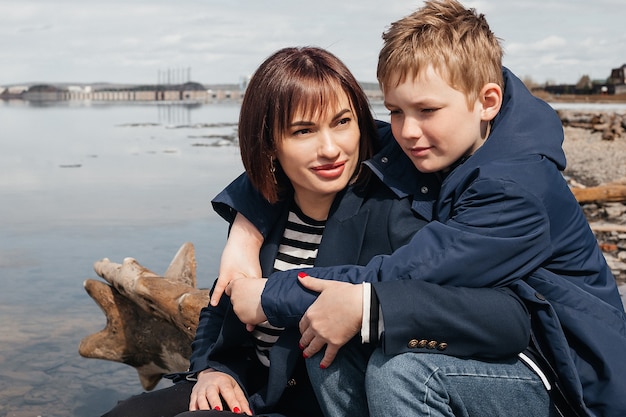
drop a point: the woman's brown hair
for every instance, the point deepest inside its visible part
(290, 80)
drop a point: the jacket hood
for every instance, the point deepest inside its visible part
(525, 125)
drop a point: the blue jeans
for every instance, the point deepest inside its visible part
(423, 384)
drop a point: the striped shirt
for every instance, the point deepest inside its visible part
(298, 249)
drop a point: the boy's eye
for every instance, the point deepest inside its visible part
(429, 110)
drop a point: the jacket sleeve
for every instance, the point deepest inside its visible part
(498, 233)
(240, 196)
(208, 330)
(482, 323)
(219, 344)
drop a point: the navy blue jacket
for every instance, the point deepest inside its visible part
(361, 225)
(504, 217)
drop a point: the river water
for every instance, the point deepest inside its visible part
(84, 181)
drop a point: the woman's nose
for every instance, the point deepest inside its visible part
(328, 145)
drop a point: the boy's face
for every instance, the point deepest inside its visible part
(431, 121)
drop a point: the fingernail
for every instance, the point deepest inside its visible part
(322, 366)
(300, 346)
(217, 408)
(305, 356)
(236, 410)
(302, 275)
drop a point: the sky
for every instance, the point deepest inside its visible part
(223, 41)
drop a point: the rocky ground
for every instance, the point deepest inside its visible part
(592, 161)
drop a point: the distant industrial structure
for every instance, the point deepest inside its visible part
(175, 86)
(186, 92)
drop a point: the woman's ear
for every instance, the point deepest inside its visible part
(491, 101)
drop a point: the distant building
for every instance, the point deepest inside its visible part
(615, 84)
(618, 76)
(44, 92)
(187, 92)
(618, 80)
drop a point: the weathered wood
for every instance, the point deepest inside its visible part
(151, 320)
(611, 125)
(612, 192)
(608, 227)
(600, 194)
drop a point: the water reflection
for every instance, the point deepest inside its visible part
(138, 188)
(176, 114)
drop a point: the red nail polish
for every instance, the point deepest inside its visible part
(217, 408)
(305, 356)
(322, 366)
(302, 275)
(236, 410)
(300, 346)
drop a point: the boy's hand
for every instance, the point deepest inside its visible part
(333, 319)
(240, 258)
(212, 385)
(245, 296)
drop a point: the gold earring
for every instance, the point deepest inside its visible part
(273, 170)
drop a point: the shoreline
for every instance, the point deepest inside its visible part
(579, 98)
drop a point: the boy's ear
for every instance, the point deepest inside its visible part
(491, 101)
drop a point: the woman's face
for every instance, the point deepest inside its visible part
(319, 154)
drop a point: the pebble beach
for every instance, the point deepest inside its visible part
(593, 161)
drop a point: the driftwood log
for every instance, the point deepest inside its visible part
(605, 193)
(152, 319)
(611, 125)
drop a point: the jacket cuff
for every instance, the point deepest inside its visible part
(370, 324)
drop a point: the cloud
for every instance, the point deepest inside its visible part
(550, 43)
(122, 41)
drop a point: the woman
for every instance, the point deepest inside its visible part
(304, 129)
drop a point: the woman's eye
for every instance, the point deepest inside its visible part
(301, 132)
(344, 121)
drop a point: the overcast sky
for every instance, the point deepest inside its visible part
(220, 41)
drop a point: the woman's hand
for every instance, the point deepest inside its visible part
(211, 386)
(240, 258)
(333, 319)
(245, 296)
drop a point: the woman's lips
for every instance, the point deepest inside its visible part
(330, 170)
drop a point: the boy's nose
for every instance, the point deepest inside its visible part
(411, 128)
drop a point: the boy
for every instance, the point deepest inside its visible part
(502, 215)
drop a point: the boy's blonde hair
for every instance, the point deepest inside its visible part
(456, 41)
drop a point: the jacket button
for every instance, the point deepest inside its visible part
(432, 344)
(384, 159)
(540, 296)
(292, 382)
(424, 190)
(422, 343)
(413, 343)
(442, 346)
